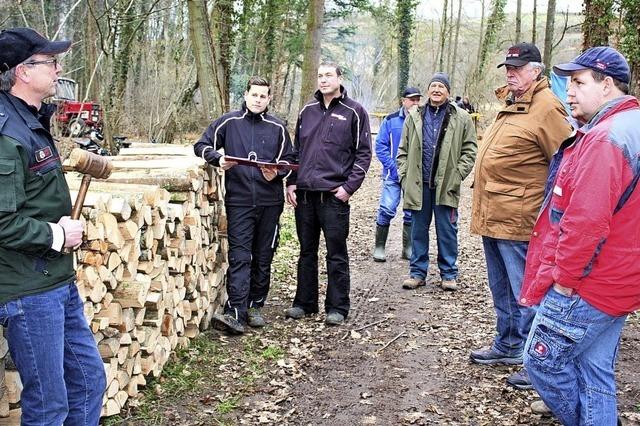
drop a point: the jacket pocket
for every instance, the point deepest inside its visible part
(8, 183)
(504, 203)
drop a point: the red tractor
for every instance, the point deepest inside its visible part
(75, 118)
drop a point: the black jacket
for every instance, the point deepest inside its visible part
(332, 145)
(240, 133)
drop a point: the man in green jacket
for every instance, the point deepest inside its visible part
(437, 152)
(49, 339)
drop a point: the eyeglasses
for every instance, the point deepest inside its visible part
(53, 61)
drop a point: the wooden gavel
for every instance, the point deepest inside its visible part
(90, 165)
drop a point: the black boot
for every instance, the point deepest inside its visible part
(406, 241)
(381, 241)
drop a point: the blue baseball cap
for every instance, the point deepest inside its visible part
(603, 59)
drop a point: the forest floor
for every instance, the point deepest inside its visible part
(402, 357)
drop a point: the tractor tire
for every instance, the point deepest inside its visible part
(76, 127)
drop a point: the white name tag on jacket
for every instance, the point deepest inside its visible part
(338, 116)
(557, 190)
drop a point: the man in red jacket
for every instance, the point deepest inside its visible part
(583, 263)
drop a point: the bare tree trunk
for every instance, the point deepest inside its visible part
(450, 38)
(481, 37)
(518, 21)
(312, 45)
(548, 33)
(535, 21)
(91, 58)
(630, 42)
(452, 76)
(222, 34)
(211, 85)
(443, 32)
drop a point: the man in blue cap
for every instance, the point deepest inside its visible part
(49, 339)
(387, 144)
(583, 262)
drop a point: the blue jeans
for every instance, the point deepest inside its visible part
(446, 234)
(505, 270)
(570, 357)
(56, 356)
(389, 201)
(316, 212)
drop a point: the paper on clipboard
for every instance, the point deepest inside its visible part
(256, 163)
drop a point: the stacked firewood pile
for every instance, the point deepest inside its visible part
(151, 270)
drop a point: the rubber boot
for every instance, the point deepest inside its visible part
(381, 241)
(406, 241)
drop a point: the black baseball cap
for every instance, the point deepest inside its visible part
(410, 92)
(521, 54)
(18, 44)
(603, 59)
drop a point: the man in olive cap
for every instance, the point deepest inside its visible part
(49, 338)
(583, 264)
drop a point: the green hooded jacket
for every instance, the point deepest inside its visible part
(455, 156)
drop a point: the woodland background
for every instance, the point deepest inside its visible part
(165, 68)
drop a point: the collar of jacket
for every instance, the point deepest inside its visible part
(417, 113)
(29, 113)
(614, 106)
(252, 115)
(522, 104)
(320, 98)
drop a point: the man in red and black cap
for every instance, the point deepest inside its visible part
(49, 338)
(583, 264)
(511, 169)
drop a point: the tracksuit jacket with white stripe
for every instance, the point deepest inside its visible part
(332, 145)
(257, 136)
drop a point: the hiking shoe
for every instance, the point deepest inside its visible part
(227, 323)
(412, 283)
(334, 318)
(520, 380)
(540, 408)
(449, 285)
(255, 318)
(295, 312)
(489, 356)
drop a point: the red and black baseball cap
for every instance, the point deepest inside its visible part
(19, 44)
(521, 54)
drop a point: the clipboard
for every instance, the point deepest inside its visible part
(255, 163)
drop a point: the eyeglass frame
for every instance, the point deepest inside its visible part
(53, 61)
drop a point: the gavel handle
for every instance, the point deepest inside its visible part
(82, 193)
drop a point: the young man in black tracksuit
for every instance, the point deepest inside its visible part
(254, 199)
(333, 149)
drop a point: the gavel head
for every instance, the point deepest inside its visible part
(89, 163)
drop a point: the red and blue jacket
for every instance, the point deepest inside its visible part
(587, 235)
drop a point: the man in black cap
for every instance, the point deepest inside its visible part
(508, 189)
(49, 339)
(436, 153)
(387, 144)
(583, 264)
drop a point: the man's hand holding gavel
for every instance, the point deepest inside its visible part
(73, 230)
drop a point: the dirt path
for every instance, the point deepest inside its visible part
(411, 367)
(423, 377)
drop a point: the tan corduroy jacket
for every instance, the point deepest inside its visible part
(513, 162)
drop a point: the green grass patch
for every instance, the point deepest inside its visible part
(194, 373)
